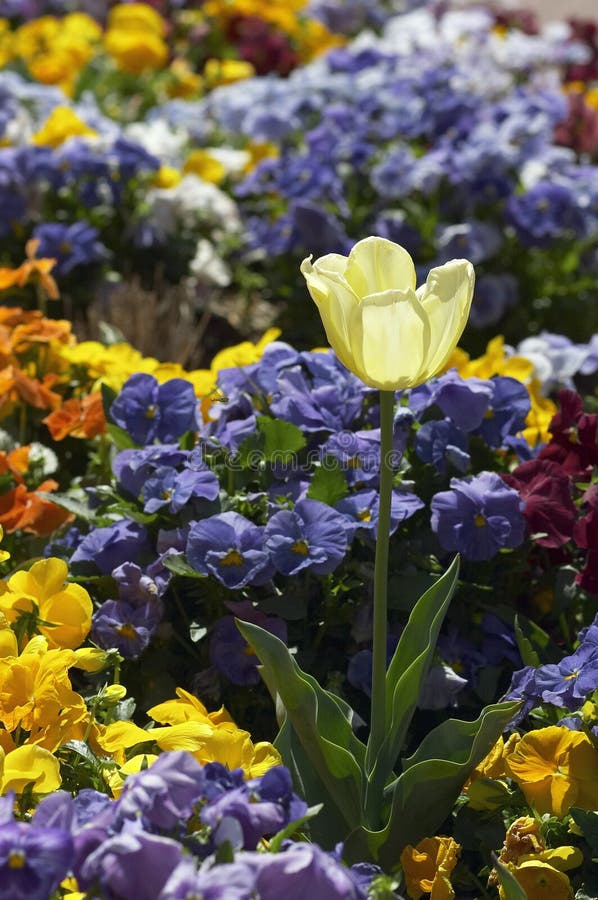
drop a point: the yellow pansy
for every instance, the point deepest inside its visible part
(81, 26)
(243, 354)
(35, 690)
(8, 639)
(186, 708)
(136, 52)
(235, 749)
(226, 71)
(187, 725)
(427, 868)
(26, 765)
(136, 17)
(537, 423)
(61, 124)
(166, 177)
(205, 166)
(6, 43)
(541, 881)
(556, 769)
(64, 610)
(495, 361)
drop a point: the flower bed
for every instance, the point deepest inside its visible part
(277, 620)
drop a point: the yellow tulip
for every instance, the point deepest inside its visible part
(384, 330)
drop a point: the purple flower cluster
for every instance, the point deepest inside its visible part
(144, 844)
(566, 684)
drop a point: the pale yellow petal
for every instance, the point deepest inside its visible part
(389, 336)
(375, 265)
(446, 301)
(335, 301)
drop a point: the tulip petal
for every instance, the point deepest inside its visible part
(375, 265)
(389, 336)
(446, 301)
(334, 300)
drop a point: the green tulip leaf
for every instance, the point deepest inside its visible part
(329, 824)
(425, 793)
(405, 676)
(320, 721)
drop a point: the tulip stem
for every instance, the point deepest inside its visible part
(378, 708)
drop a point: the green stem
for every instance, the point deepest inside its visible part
(378, 706)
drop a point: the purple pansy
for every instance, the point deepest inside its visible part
(312, 535)
(163, 795)
(358, 454)
(112, 545)
(229, 547)
(134, 467)
(147, 410)
(441, 443)
(173, 490)
(478, 517)
(464, 401)
(132, 863)
(234, 881)
(33, 860)
(362, 509)
(70, 245)
(304, 870)
(126, 627)
(507, 411)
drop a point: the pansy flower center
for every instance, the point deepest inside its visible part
(16, 859)
(232, 558)
(479, 521)
(127, 631)
(300, 547)
(364, 515)
(150, 412)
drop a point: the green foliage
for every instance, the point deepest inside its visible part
(366, 803)
(281, 439)
(328, 484)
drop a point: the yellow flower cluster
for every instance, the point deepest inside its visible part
(556, 769)
(539, 871)
(53, 50)
(135, 38)
(43, 621)
(112, 365)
